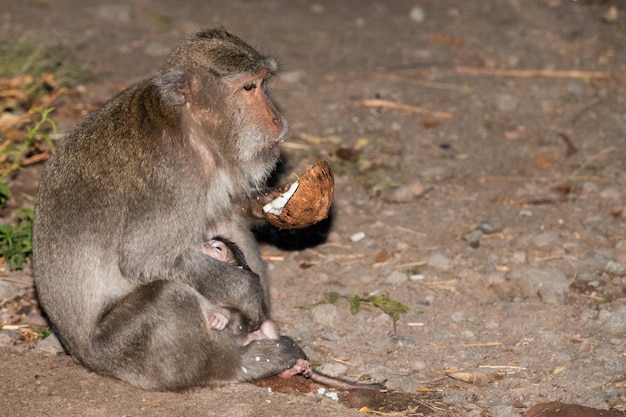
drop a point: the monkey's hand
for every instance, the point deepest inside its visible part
(254, 206)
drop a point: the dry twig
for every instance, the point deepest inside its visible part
(541, 73)
(405, 108)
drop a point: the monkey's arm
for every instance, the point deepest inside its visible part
(225, 285)
(219, 282)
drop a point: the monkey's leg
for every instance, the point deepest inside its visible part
(157, 338)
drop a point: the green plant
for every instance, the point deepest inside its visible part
(389, 306)
(35, 135)
(16, 241)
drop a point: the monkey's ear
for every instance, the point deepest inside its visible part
(174, 87)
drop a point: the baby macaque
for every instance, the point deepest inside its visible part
(227, 251)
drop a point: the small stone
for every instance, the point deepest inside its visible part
(551, 285)
(50, 344)
(485, 226)
(419, 365)
(358, 236)
(480, 379)
(611, 15)
(615, 268)
(544, 239)
(332, 369)
(8, 291)
(9, 337)
(611, 193)
(506, 103)
(604, 316)
(331, 336)
(325, 314)
(440, 261)
(405, 193)
(503, 410)
(417, 14)
(518, 257)
(473, 238)
(397, 278)
(615, 321)
(458, 317)
(403, 340)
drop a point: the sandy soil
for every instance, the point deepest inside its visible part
(494, 206)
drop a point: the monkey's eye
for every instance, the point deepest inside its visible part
(249, 86)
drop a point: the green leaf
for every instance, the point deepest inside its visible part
(355, 302)
(389, 306)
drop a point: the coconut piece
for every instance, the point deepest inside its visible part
(306, 202)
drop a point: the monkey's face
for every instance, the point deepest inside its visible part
(261, 128)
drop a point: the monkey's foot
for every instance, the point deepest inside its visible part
(301, 367)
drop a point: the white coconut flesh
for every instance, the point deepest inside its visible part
(276, 206)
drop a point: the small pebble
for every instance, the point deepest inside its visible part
(473, 238)
(325, 314)
(518, 257)
(485, 226)
(332, 369)
(397, 278)
(403, 340)
(615, 268)
(405, 193)
(550, 284)
(332, 395)
(8, 337)
(439, 261)
(358, 236)
(331, 336)
(615, 321)
(417, 14)
(50, 344)
(611, 193)
(8, 291)
(506, 103)
(544, 239)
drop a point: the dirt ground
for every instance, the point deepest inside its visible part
(485, 190)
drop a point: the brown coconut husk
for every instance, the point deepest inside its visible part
(311, 201)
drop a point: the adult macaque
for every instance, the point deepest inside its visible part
(125, 204)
